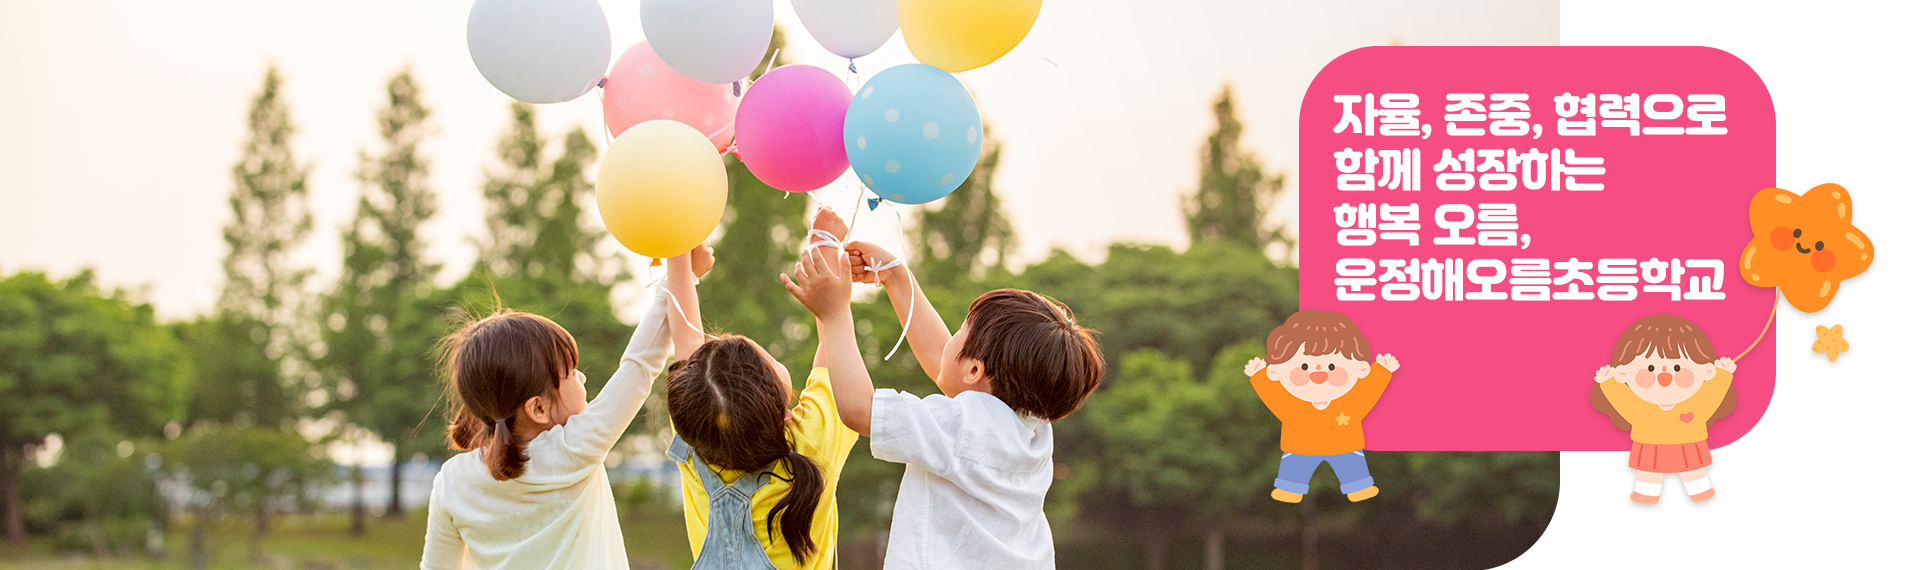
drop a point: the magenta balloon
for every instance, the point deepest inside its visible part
(642, 88)
(790, 127)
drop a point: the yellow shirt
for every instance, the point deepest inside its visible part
(815, 432)
(1685, 423)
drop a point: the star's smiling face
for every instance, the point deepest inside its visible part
(1805, 244)
(1318, 379)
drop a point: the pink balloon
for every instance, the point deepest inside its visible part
(642, 88)
(791, 125)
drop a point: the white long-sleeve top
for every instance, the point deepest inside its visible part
(560, 513)
(977, 478)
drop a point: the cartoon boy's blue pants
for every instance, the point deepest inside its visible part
(1297, 469)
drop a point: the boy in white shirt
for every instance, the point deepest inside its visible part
(979, 455)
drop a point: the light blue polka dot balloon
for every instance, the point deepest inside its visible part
(913, 134)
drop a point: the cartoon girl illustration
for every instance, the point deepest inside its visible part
(1667, 384)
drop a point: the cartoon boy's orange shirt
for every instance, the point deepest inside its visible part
(1331, 431)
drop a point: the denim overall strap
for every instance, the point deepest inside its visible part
(730, 543)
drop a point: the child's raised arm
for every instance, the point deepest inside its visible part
(597, 428)
(685, 322)
(823, 281)
(927, 333)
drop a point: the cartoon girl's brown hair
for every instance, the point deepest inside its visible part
(1666, 336)
(726, 402)
(1321, 332)
(493, 366)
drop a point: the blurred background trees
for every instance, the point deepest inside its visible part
(119, 431)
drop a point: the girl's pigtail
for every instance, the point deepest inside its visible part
(505, 457)
(465, 431)
(795, 510)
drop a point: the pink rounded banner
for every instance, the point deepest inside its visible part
(1496, 217)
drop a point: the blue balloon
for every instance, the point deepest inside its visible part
(913, 134)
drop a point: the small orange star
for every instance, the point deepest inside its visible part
(1342, 418)
(1828, 340)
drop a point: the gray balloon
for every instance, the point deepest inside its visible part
(712, 41)
(540, 51)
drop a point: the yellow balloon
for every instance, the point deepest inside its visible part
(661, 188)
(958, 35)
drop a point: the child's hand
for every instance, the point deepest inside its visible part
(861, 255)
(1602, 376)
(1387, 360)
(1724, 363)
(828, 221)
(702, 259)
(1254, 366)
(822, 281)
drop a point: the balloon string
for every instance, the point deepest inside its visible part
(859, 194)
(913, 288)
(606, 133)
(772, 60)
(1763, 328)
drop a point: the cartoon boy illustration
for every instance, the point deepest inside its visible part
(1666, 385)
(1320, 378)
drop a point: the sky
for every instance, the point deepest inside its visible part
(120, 121)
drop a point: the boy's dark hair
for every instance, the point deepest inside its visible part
(1667, 336)
(725, 400)
(1321, 332)
(493, 366)
(1041, 362)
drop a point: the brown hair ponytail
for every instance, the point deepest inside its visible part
(795, 510)
(506, 457)
(493, 366)
(727, 402)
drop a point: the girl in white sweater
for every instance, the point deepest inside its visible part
(531, 490)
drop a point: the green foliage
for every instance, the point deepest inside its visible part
(97, 497)
(1187, 304)
(74, 358)
(264, 297)
(379, 325)
(228, 466)
(1486, 489)
(80, 361)
(547, 255)
(968, 231)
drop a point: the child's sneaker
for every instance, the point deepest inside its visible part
(1644, 503)
(1287, 497)
(1363, 494)
(1704, 499)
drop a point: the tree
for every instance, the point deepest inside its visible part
(1504, 490)
(1165, 447)
(379, 328)
(969, 231)
(234, 467)
(78, 360)
(546, 253)
(264, 295)
(252, 357)
(1235, 194)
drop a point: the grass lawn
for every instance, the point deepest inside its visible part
(322, 542)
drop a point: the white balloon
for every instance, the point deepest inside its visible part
(849, 28)
(713, 41)
(540, 51)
